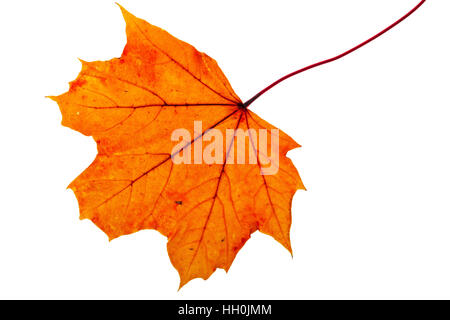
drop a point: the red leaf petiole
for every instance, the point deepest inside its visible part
(256, 96)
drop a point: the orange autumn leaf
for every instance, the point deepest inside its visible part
(131, 106)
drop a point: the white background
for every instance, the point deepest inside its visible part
(375, 129)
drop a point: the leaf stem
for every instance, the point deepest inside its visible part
(256, 96)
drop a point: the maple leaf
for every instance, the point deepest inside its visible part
(132, 105)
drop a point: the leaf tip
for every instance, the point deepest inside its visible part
(289, 248)
(121, 8)
(54, 98)
(183, 282)
(301, 186)
(125, 12)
